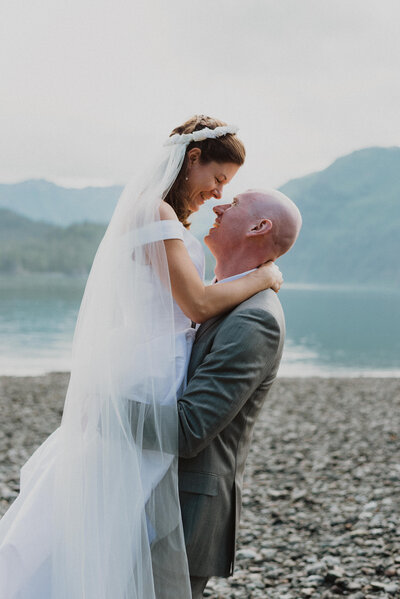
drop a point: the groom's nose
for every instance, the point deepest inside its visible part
(219, 210)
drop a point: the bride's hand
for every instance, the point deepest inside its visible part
(272, 276)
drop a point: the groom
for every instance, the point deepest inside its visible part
(234, 362)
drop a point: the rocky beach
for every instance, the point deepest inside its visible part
(320, 514)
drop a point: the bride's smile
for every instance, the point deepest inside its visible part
(206, 180)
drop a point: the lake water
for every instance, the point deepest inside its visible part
(331, 331)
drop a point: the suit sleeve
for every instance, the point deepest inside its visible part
(242, 356)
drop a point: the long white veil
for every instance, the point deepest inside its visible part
(116, 515)
(99, 498)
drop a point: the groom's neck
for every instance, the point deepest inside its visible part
(229, 268)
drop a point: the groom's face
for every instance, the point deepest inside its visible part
(231, 224)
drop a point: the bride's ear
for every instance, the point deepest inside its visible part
(262, 227)
(193, 156)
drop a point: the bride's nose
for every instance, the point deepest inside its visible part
(217, 193)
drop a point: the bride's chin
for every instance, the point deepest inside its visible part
(195, 207)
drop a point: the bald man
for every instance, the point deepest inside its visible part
(234, 362)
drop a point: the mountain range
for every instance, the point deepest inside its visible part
(350, 234)
(41, 200)
(351, 221)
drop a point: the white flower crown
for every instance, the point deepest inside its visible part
(206, 133)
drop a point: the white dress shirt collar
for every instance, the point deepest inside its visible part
(233, 277)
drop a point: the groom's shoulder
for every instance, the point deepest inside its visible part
(266, 301)
(262, 311)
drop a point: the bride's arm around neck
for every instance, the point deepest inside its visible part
(200, 302)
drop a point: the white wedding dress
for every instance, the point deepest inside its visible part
(27, 529)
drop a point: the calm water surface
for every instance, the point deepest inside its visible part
(348, 331)
(330, 331)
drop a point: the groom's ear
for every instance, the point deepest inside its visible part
(262, 227)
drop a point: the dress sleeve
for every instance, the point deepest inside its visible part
(157, 231)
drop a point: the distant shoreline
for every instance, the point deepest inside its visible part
(62, 277)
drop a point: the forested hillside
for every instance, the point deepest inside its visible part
(40, 247)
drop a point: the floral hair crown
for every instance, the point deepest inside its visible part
(206, 133)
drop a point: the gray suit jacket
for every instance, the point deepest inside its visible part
(234, 361)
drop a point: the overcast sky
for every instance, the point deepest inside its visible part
(89, 89)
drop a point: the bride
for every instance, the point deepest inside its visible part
(98, 512)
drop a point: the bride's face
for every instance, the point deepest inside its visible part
(206, 180)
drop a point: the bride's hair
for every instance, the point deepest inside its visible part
(227, 148)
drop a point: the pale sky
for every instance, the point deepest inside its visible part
(90, 89)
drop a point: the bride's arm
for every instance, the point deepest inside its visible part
(200, 302)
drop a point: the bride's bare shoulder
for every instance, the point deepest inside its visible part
(167, 212)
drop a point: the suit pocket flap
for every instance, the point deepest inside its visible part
(198, 482)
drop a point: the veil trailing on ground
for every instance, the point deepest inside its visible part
(116, 509)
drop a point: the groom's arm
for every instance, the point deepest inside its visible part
(242, 356)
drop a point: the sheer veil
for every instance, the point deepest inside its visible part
(100, 495)
(117, 526)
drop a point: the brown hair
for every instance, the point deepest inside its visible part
(227, 148)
